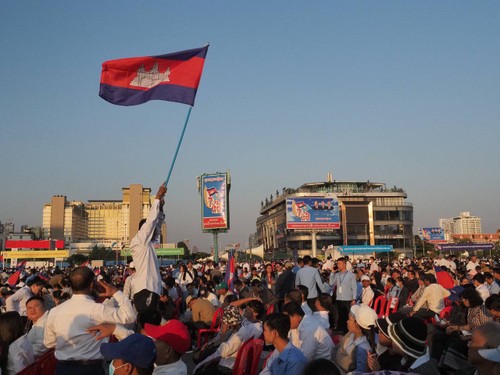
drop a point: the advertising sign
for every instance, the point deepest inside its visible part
(366, 249)
(214, 201)
(36, 254)
(434, 234)
(312, 213)
(159, 252)
(469, 247)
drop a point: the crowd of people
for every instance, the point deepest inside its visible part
(315, 317)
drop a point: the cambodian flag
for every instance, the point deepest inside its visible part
(173, 77)
(230, 271)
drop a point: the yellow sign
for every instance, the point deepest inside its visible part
(36, 254)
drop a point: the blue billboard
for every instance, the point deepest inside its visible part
(434, 234)
(214, 201)
(312, 213)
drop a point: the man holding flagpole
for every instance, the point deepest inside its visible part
(148, 279)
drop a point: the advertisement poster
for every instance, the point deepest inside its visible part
(214, 196)
(434, 234)
(312, 213)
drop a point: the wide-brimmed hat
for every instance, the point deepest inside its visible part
(384, 323)
(409, 335)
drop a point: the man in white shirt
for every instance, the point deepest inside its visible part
(367, 293)
(128, 287)
(471, 266)
(37, 314)
(433, 295)
(308, 334)
(148, 279)
(17, 301)
(67, 324)
(491, 284)
(479, 282)
(373, 265)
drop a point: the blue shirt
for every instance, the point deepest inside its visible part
(345, 282)
(290, 361)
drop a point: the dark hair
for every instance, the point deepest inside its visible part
(391, 280)
(255, 282)
(488, 275)
(295, 295)
(36, 298)
(473, 296)
(479, 277)
(321, 366)
(60, 295)
(36, 281)
(258, 308)
(293, 309)
(141, 223)
(230, 298)
(307, 259)
(237, 282)
(325, 300)
(493, 302)
(304, 290)
(81, 278)
(11, 328)
(148, 316)
(280, 323)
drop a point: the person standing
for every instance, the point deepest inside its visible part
(344, 282)
(310, 277)
(17, 301)
(148, 279)
(66, 328)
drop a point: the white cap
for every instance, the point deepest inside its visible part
(131, 265)
(364, 277)
(365, 316)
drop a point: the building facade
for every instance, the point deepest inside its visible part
(370, 214)
(107, 222)
(465, 223)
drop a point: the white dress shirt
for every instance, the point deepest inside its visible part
(434, 296)
(229, 349)
(483, 291)
(367, 296)
(312, 339)
(20, 355)
(67, 324)
(129, 288)
(17, 301)
(143, 252)
(35, 336)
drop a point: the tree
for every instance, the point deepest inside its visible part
(183, 246)
(101, 253)
(76, 259)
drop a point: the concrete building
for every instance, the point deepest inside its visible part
(465, 223)
(103, 222)
(370, 214)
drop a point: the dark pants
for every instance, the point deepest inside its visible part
(146, 300)
(343, 308)
(194, 327)
(63, 368)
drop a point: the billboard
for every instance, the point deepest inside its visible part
(214, 201)
(364, 249)
(312, 213)
(36, 254)
(434, 234)
(469, 247)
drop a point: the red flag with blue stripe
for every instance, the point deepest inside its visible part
(172, 77)
(230, 271)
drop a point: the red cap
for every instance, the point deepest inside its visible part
(173, 333)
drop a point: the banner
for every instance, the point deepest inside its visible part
(36, 254)
(214, 201)
(312, 213)
(434, 234)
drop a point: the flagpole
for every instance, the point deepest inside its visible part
(178, 145)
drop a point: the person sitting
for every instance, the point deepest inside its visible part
(492, 286)
(433, 297)
(483, 351)
(134, 355)
(267, 297)
(16, 351)
(367, 293)
(384, 357)
(308, 334)
(222, 291)
(408, 338)
(493, 306)
(286, 358)
(479, 282)
(172, 340)
(37, 315)
(242, 290)
(351, 353)
(305, 293)
(324, 307)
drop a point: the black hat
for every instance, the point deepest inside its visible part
(384, 323)
(410, 335)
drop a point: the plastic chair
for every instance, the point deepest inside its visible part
(45, 365)
(444, 314)
(270, 310)
(336, 338)
(178, 308)
(379, 305)
(394, 302)
(205, 333)
(248, 357)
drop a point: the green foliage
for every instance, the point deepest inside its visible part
(76, 259)
(101, 253)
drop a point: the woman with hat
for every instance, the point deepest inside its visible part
(352, 351)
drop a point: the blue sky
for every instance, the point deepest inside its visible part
(405, 93)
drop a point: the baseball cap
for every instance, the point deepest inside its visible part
(365, 316)
(222, 285)
(490, 354)
(188, 299)
(365, 278)
(136, 349)
(174, 333)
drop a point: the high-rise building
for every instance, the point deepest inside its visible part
(465, 223)
(64, 220)
(99, 221)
